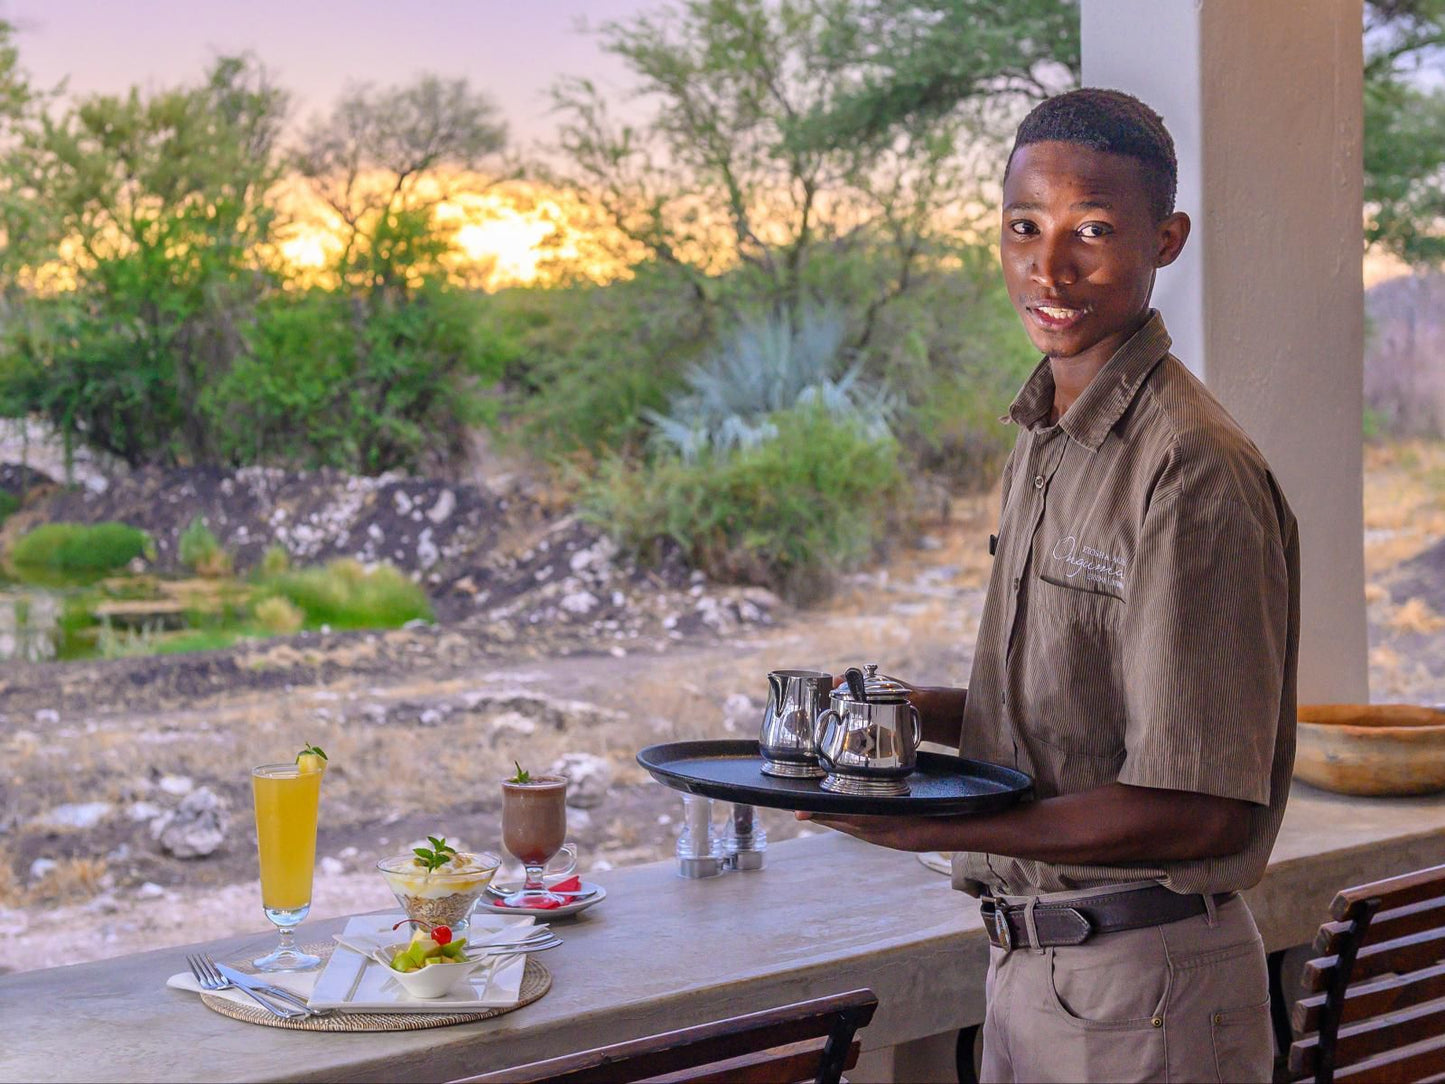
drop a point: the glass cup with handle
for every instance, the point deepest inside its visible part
(534, 832)
(286, 803)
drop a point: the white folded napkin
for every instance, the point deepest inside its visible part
(353, 983)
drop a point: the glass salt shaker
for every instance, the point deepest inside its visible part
(699, 848)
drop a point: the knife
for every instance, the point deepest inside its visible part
(255, 986)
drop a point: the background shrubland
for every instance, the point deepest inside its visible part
(794, 181)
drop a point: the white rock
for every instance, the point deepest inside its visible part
(431, 717)
(149, 891)
(347, 852)
(197, 828)
(403, 503)
(427, 553)
(177, 785)
(75, 815)
(578, 820)
(579, 602)
(143, 811)
(738, 705)
(617, 652)
(512, 722)
(441, 511)
(588, 778)
(42, 868)
(47, 716)
(332, 867)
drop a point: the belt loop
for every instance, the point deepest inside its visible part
(1031, 925)
(1209, 914)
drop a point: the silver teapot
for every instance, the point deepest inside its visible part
(795, 698)
(868, 737)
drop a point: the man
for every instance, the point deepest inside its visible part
(1136, 654)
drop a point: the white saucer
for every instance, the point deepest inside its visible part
(593, 894)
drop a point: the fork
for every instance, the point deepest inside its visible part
(209, 978)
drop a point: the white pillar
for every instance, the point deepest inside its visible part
(1264, 100)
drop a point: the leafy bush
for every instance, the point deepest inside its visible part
(344, 595)
(74, 547)
(277, 615)
(787, 513)
(9, 503)
(275, 561)
(584, 362)
(201, 551)
(769, 365)
(367, 387)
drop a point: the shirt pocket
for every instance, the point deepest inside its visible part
(1070, 676)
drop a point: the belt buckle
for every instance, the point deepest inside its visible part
(1001, 932)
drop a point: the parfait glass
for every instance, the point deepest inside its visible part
(286, 802)
(534, 828)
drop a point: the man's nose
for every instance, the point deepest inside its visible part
(1053, 263)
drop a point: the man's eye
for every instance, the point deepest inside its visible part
(1094, 229)
(1022, 227)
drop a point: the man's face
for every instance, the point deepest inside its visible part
(1080, 247)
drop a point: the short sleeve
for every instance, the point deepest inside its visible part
(1204, 650)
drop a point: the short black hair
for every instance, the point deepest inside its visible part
(1114, 122)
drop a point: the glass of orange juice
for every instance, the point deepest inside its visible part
(286, 801)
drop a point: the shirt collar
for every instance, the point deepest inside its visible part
(1108, 395)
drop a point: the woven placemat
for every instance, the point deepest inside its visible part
(536, 981)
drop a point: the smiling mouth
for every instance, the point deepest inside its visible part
(1057, 317)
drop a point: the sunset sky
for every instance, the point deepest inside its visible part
(511, 49)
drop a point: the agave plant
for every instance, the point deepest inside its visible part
(770, 365)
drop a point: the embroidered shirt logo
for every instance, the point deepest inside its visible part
(1096, 566)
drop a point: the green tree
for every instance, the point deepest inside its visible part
(929, 57)
(1404, 144)
(723, 175)
(383, 160)
(159, 205)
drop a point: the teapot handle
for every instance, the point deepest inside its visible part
(818, 727)
(917, 726)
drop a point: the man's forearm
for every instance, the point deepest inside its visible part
(940, 710)
(1109, 824)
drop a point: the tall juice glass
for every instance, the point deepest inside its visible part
(286, 803)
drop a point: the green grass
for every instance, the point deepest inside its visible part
(77, 548)
(343, 595)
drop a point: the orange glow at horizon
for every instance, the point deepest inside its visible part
(513, 234)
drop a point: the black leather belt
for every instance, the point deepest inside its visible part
(1075, 922)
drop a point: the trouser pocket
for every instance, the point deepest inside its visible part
(1243, 1042)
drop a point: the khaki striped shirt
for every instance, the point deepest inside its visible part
(1142, 618)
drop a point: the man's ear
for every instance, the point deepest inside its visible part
(1172, 233)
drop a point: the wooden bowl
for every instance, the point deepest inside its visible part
(1371, 749)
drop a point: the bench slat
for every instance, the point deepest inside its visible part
(1387, 994)
(1402, 954)
(1391, 892)
(1378, 1036)
(1397, 922)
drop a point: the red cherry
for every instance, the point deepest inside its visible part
(441, 934)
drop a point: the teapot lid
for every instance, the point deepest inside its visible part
(877, 687)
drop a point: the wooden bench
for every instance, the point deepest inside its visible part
(1374, 1004)
(809, 1040)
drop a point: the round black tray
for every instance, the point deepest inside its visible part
(732, 770)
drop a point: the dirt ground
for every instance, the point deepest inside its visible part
(422, 723)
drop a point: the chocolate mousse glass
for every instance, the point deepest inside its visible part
(534, 828)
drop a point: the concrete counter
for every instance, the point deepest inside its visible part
(828, 914)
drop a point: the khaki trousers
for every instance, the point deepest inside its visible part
(1188, 1001)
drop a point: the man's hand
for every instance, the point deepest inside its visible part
(1110, 824)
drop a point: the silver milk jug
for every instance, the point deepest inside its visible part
(868, 737)
(795, 698)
